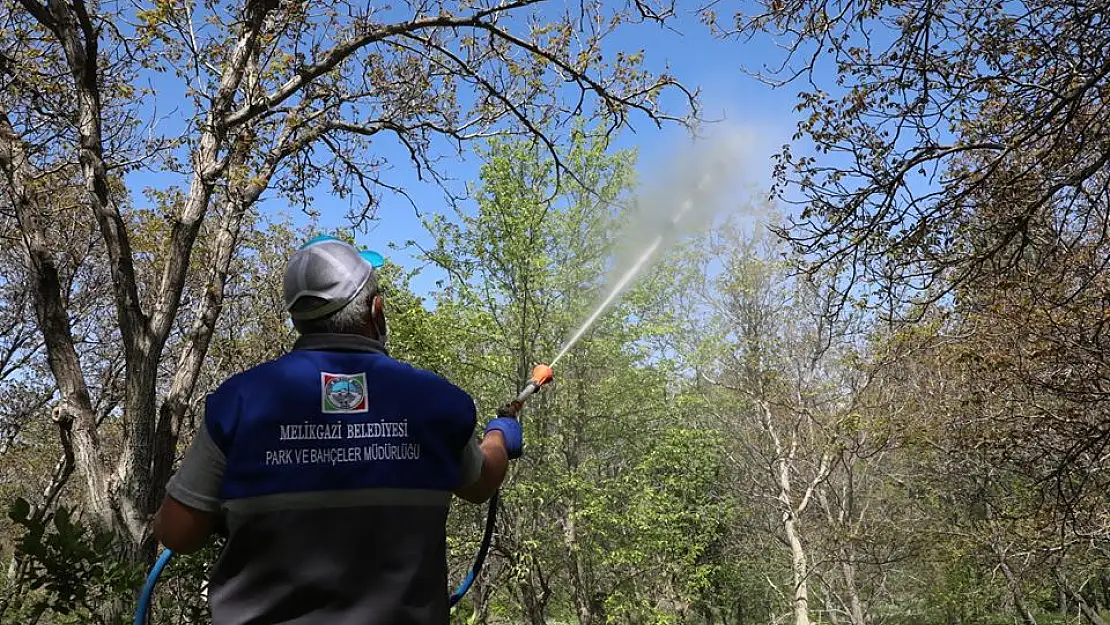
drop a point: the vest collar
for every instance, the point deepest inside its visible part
(340, 343)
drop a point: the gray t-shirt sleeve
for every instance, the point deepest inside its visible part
(472, 460)
(197, 481)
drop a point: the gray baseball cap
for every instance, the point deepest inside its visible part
(329, 270)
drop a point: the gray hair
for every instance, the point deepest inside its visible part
(351, 319)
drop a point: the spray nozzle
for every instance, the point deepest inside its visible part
(542, 374)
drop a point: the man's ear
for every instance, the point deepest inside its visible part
(377, 315)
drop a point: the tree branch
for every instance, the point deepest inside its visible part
(239, 199)
(63, 469)
(41, 15)
(333, 57)
(207, 166)
(78, 39)
(53, 320)
(1093, 616)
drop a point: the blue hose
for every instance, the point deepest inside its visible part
(148, 588)
(491, 521)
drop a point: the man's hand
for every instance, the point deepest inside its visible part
(181, 528)
(513, 435)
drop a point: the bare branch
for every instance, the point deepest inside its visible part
(207, 165)
(333, 57)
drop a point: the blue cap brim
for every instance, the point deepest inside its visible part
(375, 259)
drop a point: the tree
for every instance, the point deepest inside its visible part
(785, 456)
(279, 96)
(811, 439)
(964, 186)
(910, 124)
(512, 269)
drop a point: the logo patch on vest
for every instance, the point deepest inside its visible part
(343, 393)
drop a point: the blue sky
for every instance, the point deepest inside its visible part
(691, 54)
(695, 58)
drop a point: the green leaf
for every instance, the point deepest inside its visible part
(19, 510)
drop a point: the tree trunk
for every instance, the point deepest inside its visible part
(1019, 597)
(535, 604)
(855, 605)
(582, 600)
(800, 568)
(799, 564)
(1085, 608)
(785, 452)
(74, 407)
(846, 551)
(124, 499)
(585, 604)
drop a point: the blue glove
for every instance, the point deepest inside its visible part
(514, 435)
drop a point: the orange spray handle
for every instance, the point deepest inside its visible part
(541, 375)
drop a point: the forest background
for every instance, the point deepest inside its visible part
(872, 388)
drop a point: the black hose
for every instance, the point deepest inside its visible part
(487, 538)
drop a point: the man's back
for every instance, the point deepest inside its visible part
(340, 464)
(333, 467)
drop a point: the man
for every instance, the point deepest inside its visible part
(331, 468)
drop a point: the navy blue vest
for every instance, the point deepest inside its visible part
(340, 466)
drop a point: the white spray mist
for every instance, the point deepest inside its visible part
(697, 183)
